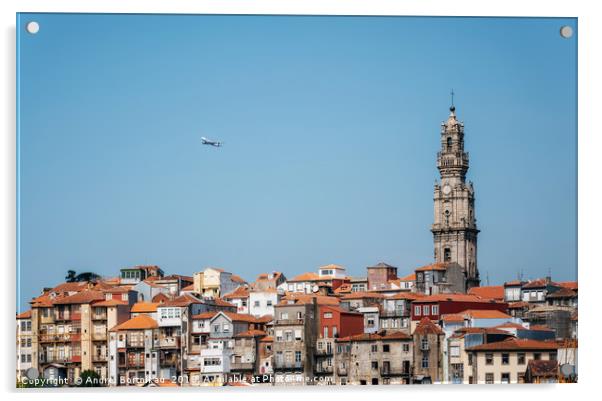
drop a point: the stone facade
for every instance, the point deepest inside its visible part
(454, 228)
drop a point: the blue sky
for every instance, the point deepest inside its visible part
(331, 128)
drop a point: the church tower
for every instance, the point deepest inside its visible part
(455, 228)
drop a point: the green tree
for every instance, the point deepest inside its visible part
(89, 378)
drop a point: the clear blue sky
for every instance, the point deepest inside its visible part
(331, 128)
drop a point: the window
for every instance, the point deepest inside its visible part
(278, 335)
(288, 335)
(469, 359)
(374, 348)
(489, 358)
(505, 378)
(298, 335)
(425, 362)
(447, 255)
(386, 347)
(255, 304)
(537, 356)
(299, 315)
(298, 356)
(505, 359)
(489, 378)
(552, 356)
(449, 143)
(328, 315)
(406, 347)
(521, 358)
(435, 310)
(284, 316)
(417, 310)
(424, 343)
(269, 303)
(370, 322)
(374, 365)
(454, 350)
(244, 303)
(426, 310)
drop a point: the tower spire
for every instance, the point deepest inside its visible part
(452, 107)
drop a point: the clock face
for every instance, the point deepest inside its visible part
(446, 189)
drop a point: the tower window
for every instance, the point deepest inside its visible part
(447, 255)
(449, 143)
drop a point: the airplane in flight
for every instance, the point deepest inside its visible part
(212, 143)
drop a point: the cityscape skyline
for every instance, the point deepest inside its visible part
(314, 170)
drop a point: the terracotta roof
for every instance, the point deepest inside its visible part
(485, 314)
(204, 315)
(407, 295)
(512, 344)
(267, 339)
(221, 302)
(240, 292)
(513, 283)
(83, 297)
(140, 322)
(453, 317)
(181, 301)
(453, 297)
(426, 326)
(517, 305)
(563, 293)
(491, 292)
(363, 294)
(343, 289)
(252, 333)
(376, 336)
(239, 317)
(572, 285)
(43, 301)
(543, 368)
(479, 330)
(24, 315)
(160, 297)
(540, 282)
(510, 325)
(306, 277)
(188, 288)
(409, 277)
(264, 319)
(332, 266)
(70, 287)
(435, 266)
(144, 307)
(110, 302)
(237, 279)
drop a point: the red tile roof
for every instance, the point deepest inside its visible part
(515, 344)
(563, 293)
(237, 279)
(426, 326)
(362, 295)
(435, 266)
(140, 322)
(160, 297)
(83, 297)
(308, 298)
(188, 288)
(24, 315)
(518, 305)
(409, 277)
(252, 333)
(407, 295)
(572, 285)
(543, 368)
(110, 302)
(240, 292)
(182, 301)
(144, 307)
(491, 292)
(306, 277)
(454, 297)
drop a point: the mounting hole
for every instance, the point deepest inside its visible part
(32, 27)
(566, 31)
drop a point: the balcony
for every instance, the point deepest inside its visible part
(169, 342)
(394, 313)
(61, 359)
(99, 336)
(393, 371)
(56, 338)
(99, 358)
(282, 365)
(169, 360)
(242, 366)
(319, 369)
(288, 322)
(99, 316)
(325, 351)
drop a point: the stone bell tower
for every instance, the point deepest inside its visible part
(455, 228)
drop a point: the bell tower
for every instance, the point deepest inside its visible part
(455, 225)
